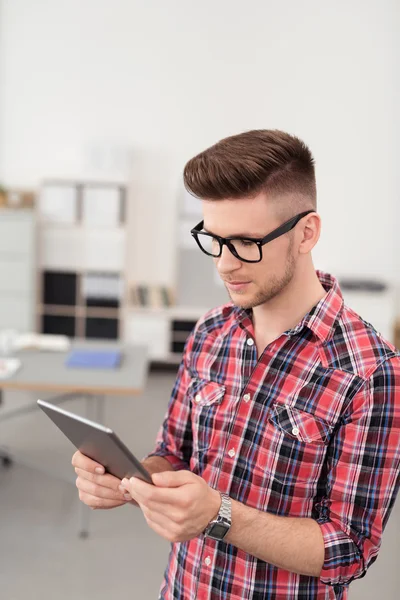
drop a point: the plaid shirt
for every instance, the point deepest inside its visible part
(310, 429)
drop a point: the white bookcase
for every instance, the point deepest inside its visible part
(82, 259)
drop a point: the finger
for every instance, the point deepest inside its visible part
(87, 464)
(162, 515)
(97, 490)
(145, 493)
(168, 533)
(155, 517)
(95, 502)
(106, 480)
(172, 479)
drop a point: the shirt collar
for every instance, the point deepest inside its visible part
(321, 319)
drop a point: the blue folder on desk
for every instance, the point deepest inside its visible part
(94, 359)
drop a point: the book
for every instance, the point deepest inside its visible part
(94, 359)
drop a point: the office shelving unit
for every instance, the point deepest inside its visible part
(82, 259)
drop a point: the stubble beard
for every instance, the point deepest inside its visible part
(274, 287)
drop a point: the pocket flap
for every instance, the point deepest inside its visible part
(205, 393)
(300, 424)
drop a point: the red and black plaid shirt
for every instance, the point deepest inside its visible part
(310, 429)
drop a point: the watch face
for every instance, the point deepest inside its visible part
(218, 531)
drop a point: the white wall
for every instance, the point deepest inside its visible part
(166, 79)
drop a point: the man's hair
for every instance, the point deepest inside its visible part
(244, 165)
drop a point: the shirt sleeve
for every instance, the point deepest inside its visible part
(363, 477)
(174, 439)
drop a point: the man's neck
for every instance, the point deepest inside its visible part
(285, 311)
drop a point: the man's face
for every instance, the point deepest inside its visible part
(251, 284)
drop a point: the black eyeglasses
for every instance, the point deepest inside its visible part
(245, 249)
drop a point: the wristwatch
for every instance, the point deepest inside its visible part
(219, 527)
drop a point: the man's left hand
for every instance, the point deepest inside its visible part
(178, 506)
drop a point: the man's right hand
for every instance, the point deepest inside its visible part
(97, 489)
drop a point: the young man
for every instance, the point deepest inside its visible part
(277, 465)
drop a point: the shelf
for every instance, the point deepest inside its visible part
(104, 313)
(178, 312)
(57, 309)
(78, 311)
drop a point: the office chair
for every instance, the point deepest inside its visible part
(5, 458)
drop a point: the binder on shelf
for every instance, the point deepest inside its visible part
(143, 293)
(152, 296)
(167, 296)
(134, 296)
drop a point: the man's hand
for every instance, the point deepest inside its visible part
(97, 489)
(178, 507)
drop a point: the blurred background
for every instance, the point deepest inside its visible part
(101, 104)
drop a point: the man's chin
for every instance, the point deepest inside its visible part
(240, 300)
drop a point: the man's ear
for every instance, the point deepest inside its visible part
(310, 232)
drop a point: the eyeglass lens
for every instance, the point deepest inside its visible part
(245, 249)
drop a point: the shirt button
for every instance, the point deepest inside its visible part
(250, 342)
(246, 397)
(208, 561)
(198, 398)
(232, 452)
(295, 431)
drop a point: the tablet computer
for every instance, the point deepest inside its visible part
(97, 442)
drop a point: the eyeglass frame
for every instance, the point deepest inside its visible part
(273, 235)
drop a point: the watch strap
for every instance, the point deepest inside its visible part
(225, 510)
(223, 518)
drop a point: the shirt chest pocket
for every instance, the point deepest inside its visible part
(205, 398)
(294, 445)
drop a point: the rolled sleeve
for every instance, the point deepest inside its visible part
(363, 478)
(174, 461)
(174, 438)
(343, 559)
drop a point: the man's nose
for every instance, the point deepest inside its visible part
(227, 262)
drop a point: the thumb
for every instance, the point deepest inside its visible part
(173, 478)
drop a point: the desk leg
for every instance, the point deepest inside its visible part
(84, 521)
(93, 404)
(100, 409)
